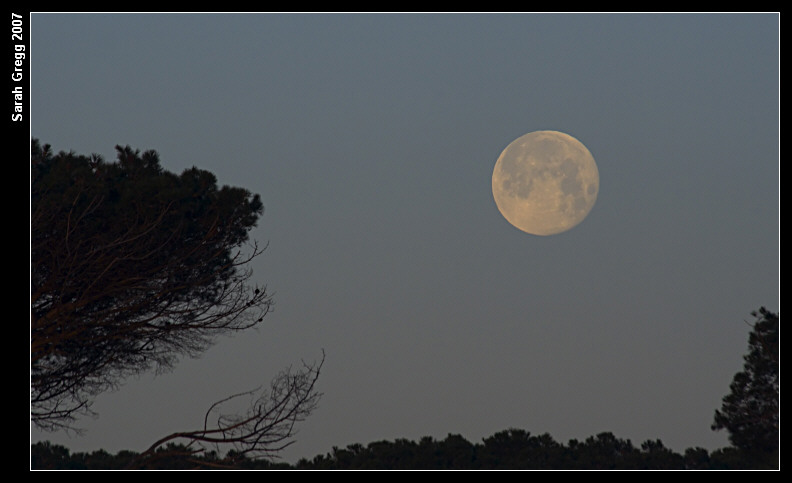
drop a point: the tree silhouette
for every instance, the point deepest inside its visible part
(133, 267)
(750, 412)
(506, 450)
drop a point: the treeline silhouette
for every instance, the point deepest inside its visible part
(511, 449)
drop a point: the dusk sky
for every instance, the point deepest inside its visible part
(372, 139)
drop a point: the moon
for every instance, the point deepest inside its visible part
(545, 182)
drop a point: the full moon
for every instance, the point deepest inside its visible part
(545, 182)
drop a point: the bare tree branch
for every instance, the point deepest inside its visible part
(262, 431)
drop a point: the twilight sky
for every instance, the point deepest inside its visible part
(372, 139)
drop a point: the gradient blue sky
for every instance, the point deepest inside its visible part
(371, 140)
